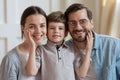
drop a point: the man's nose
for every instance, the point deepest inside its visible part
(78, 26)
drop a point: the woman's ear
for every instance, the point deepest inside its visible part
(22, 28)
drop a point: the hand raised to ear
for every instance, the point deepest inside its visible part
(90, 39)
(29, 39)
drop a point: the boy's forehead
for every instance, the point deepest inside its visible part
(56, 24)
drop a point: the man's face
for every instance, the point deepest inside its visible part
(79, 25)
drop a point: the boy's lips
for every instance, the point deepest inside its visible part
(55, 36)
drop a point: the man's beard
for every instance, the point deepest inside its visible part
(79, 38)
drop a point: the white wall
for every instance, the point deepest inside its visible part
(10, 13)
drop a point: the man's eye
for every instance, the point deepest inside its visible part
(72, 23)
(42, 26)
(83, 21)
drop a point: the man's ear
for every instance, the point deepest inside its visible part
(66, 33)
(92, 24)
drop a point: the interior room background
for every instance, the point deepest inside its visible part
(105, 16)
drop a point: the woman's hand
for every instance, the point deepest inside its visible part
(29, 40)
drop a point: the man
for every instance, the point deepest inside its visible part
(105, 56)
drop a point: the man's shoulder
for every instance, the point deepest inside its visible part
(109, 38)
(102, 39)
(69, 42)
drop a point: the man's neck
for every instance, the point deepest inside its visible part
(80, 45)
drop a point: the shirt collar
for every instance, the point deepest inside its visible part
(96, 41)
(53, 45)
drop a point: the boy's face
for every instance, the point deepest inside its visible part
(56, 32)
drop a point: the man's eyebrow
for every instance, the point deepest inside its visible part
(71, 20)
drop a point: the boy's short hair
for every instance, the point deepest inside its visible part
(57, 16)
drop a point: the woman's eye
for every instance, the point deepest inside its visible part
(31, 27)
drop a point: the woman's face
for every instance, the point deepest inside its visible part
(36, 25)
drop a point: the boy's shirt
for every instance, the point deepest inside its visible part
(55, 63)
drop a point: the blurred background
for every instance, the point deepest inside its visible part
(105, 16)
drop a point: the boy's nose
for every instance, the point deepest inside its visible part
(56, 29)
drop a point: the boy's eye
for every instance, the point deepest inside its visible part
(51, 27)
(61, 28)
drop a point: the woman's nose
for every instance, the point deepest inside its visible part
(38, 29)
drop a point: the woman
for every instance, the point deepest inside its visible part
(33, 23)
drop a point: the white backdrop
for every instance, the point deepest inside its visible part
(10, 13)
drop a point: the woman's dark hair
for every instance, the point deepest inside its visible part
(30, 11)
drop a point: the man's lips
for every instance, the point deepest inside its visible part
(79, 31)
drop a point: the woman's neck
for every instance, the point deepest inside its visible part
(24, 47)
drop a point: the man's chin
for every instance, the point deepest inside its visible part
(80, 40)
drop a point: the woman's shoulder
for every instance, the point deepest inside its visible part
(11, 57)
(10, 63)
(13, 53)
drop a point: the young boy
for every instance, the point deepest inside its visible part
(55, 60)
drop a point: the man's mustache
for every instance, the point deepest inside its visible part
(75, 31)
